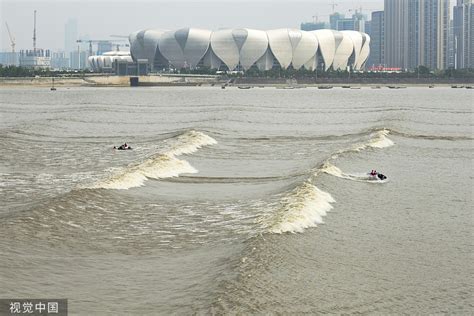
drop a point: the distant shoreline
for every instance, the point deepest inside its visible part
(207, 80)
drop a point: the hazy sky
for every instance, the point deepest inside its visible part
(101, 18)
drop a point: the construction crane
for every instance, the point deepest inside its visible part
(121, 45)
(317, 16)
(12, 39)
(34, 35)
(102, 42)
(333, 5)
(119, 36)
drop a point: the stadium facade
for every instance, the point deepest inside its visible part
(105, 61)
(242, 49)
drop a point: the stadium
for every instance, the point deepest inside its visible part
(242, 49)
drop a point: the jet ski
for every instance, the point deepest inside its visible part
(374, 175)
(123, 147)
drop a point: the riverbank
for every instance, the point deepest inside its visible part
(210, 80)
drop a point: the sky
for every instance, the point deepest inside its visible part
(98, 19)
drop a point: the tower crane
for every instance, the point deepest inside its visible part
(102, 41)
(119, 36)
(333, 5)
(34, 34)
(12, 39)
(121, 45)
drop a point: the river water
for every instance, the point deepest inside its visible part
(238, 201)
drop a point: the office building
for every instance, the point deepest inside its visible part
(37, 59)
(313, 26)
(357, 22)
(70, 36)
(334, 18)
(396, 33)
(9, 58)
(78, 59)
(59, 60)
(416, 33)
(433, 35)
(377, 39)
(468, 34)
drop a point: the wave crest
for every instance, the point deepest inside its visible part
(377, 139)
(162, 166)
(158, 166)
(190, 142)
(302, 208)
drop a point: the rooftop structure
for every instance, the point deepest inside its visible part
(242, 49)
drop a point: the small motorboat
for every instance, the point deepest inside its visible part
(374, 175)
(52, 87)
(123, 147)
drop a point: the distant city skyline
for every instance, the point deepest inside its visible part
(98, 20)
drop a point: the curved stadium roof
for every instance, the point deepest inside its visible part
(241, 49)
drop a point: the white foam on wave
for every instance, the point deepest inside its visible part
(190, 142)
(302, 208)
(378, 139)
(158, 166)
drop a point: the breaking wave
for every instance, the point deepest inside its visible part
(303, 207)
(189, 143)
(377, 139)
(306, 205)
(158, 166)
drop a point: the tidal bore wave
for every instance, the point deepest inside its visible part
(306, 205)
(303, 207)
(158, 166)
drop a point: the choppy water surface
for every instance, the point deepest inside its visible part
(238, 201)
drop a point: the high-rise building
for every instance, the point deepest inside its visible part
(434, 32)
(458, 34)
(368, 27)
(416, 33)
(396, 33)
(413, 33)
(355, 23)
(36, 58)
(70, 36)
(78, 59)
(468, 34)
(9, 58)
(451, 48)
(333, 18)
(313, 26)
(463, 34)
(377, 39)
(59, 60)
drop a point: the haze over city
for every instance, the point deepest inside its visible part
(99, 19)
(225, 157)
